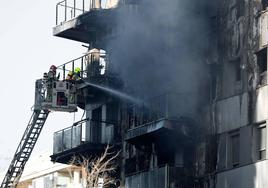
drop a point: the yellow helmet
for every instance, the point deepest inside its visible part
(77, 70)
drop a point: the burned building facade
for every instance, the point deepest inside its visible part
(178, 87)
(240, 107)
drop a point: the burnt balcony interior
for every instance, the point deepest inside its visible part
(160, 133)
(89, 136)
(166, 116)
(156, 154)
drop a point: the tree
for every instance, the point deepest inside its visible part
(98, 172)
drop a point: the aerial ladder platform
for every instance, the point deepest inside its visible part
(25, 148)
(50, 95)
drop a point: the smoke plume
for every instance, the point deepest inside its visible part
(162, 47)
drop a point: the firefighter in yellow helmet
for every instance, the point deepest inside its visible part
(70, 75)
(77, 73)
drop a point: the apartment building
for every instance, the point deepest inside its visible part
(197, 77)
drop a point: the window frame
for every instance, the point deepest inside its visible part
(259, 149)
(234, 149)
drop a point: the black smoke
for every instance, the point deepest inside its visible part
(162, 47)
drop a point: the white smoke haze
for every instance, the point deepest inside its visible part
(161, 47)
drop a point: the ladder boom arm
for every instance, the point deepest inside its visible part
(25, 148)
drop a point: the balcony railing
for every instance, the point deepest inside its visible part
(83, 132)
(87, 64)
(69, 9)
(163, 177)
(168, 106)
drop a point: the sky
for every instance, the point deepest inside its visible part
(27, 49)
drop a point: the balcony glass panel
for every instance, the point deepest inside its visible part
(94, 132)
(57, 142)
(158, 178)
(67, 139)
(76, 135)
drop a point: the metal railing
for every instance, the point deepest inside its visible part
(83, 63)
(69, 9)
(167, 106)
(158, 178)
(84, 131)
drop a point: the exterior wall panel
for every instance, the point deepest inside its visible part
(232, 113)
(249, 176)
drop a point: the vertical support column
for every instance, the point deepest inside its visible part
(104, 138)
(167, 176)
(57, 12)
(72, 66)
(83, 6)
(74, 7)
(63, 72)
(82, 66)
(88, 123)
(65, 10)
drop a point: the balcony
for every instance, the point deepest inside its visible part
(165, 117)
(163, 177)
(94, 68)
(84, 21)
(86, 137)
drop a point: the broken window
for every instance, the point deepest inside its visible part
(264, 4)
(262, 66)
(234, 148)
(261, 141)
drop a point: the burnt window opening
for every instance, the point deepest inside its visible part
(234, 149)
(262, 65)
(264, 4)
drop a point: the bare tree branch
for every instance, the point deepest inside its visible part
(100, 168)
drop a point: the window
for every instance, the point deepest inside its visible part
(264, 4)
(262, 66)
(234, 148)
(261, 141)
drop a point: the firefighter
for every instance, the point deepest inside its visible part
(77, 73)
(70, 75)
(45, 76)
(51, 76)
(52, 73)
